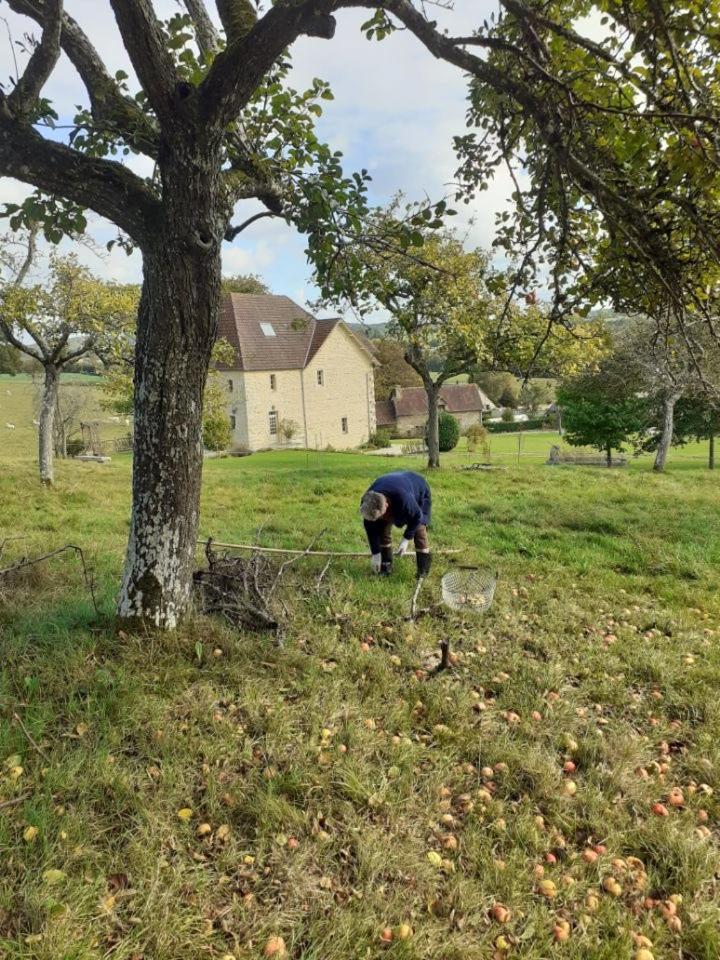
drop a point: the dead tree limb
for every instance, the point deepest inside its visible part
(31, 561)
(311, 553)
(242, 590)
(15, 800)
(31, 741)
(320, 579)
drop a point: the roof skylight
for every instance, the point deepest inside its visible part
(268, 329)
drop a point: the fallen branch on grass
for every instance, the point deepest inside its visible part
(9, 540)
(320, 579)
(7, 573)
(312, 553)
(15, 800)
(28, 735)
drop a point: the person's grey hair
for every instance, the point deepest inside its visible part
(373, 505)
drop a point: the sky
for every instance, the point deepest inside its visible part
(395, 112)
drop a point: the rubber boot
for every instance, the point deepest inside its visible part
(424, 562)
(386, 561)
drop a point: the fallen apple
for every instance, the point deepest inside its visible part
(275, 947)
(548, 889)
(611, 886)
(500, 913)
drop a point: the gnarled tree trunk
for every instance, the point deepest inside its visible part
(666, 431)
(48, 406)
(59, 432)
(177, 326)
(433, 428)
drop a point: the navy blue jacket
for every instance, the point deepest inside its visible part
(410, 504)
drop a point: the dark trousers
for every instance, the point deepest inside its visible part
(422, 544)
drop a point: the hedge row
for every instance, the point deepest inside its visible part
(516, 426)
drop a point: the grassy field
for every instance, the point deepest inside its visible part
(202, 795)
(18, 406)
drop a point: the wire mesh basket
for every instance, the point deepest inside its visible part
(469, 589)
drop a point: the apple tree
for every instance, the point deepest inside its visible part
(215, 115)
(69, 315)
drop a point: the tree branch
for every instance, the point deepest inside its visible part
(104, 186)
(144, 41)
(108, 105)
(208, 39)
(28, 258)
(236, 72)
(7, 331)
(41, 63)
(233, 232)
(26, 348)
(86, 346)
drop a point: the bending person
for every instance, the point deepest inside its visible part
(399, 499)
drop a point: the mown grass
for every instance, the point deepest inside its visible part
(331, 787)
(19, 399)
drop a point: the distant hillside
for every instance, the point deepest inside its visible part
(616, 322)
(373, 331)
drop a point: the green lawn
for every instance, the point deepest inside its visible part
(18, 406)
(329, 787)
(533, 446)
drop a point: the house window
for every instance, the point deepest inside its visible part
(268, 329)
(273, 423)
(232, 421)
(230, 386)
(273, 382)
(344, 425)
(321, 378)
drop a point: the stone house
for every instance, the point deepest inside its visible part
(293, 369)
(406, 410)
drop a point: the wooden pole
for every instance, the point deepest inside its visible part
(308, 553)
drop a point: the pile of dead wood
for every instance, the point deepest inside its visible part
(242, 590)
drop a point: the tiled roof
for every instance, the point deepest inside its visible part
(455, 397)
(246, 319)
(384, 413)
(412, 402)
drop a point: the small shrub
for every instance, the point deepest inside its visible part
(380, 439)
(74, 447)
(477, 439)
(510, 396)
(287, 430)
(216, 431)
(448, 432)
(517, 426)
(507, 416)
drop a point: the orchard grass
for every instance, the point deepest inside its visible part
(327, 791)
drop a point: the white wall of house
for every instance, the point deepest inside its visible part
(337, 412)
(415, 426)
(341, 409)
